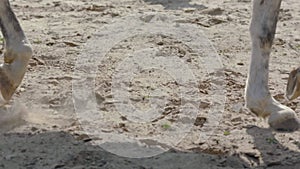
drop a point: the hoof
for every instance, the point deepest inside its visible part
(293, 85)
(6, 86)
(284, 120)
(287, 125)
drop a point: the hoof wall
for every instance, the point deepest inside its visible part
(291, 124)
(293, 85)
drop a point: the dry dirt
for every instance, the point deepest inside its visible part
(41, 129)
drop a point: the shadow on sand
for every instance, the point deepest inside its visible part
(175, 4)
(62, 150)
(273, 154)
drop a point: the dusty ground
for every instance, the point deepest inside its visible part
(44, 130)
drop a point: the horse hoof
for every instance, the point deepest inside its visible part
(293, 85)
(284, 122)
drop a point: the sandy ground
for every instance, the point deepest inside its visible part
(42, 128)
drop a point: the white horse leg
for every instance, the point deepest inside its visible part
(16, 55)
(258, 98)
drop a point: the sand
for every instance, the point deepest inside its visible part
(151, 84)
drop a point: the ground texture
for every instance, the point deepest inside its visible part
(41, 129)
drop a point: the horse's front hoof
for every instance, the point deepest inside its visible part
(293, 85)
(285, 120)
